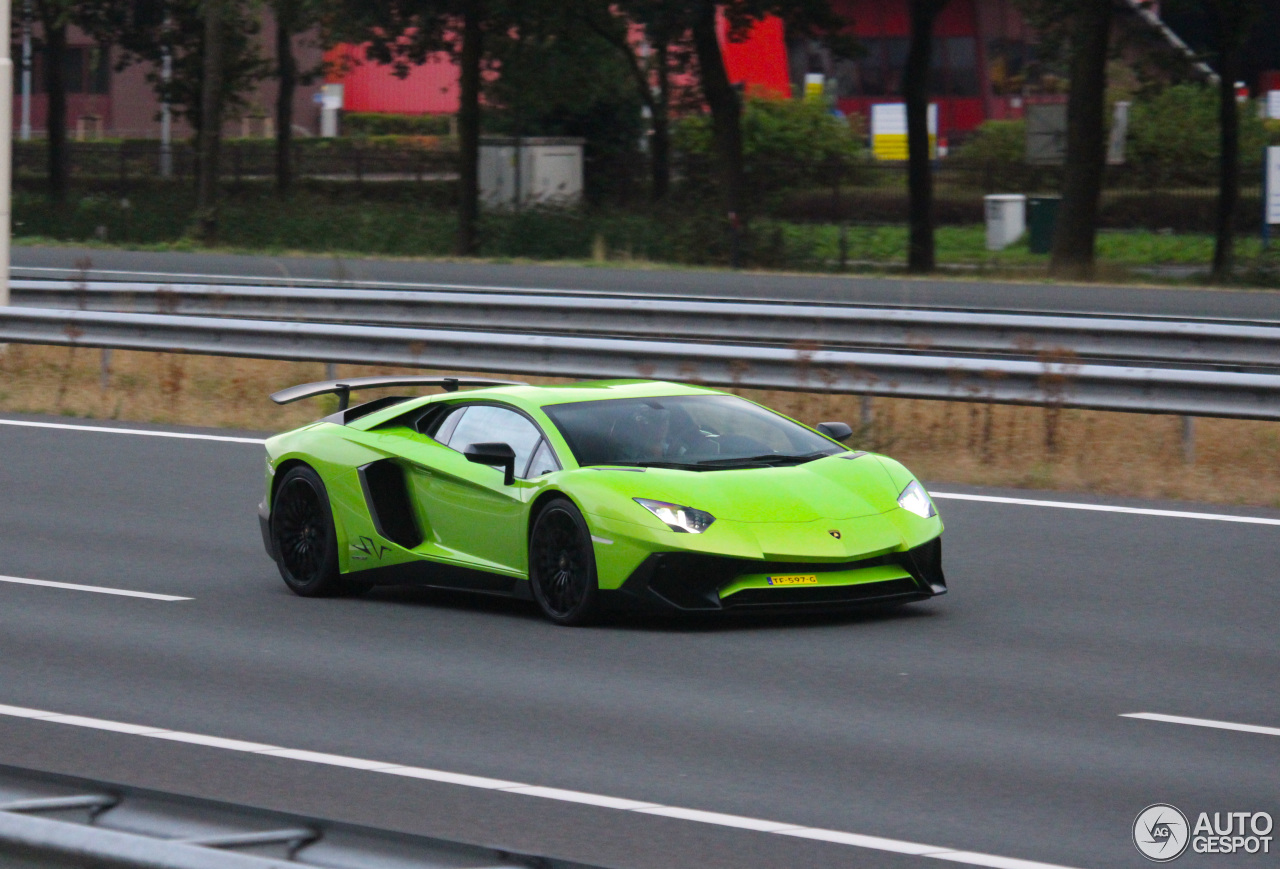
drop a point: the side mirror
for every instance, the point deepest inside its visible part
(497, 455)
(837, 431)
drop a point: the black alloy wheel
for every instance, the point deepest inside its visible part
(562, 565)
(302, 530)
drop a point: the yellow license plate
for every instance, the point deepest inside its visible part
(794, 579)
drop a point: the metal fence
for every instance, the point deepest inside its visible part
(989, 334)
(51, 821)
(977, 357)
(126, 163)
(857, 191)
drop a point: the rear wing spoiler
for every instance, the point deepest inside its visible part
(343, 388)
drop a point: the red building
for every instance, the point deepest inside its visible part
(984, 67)
(984, 61)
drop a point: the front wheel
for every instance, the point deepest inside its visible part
(303, 533)
(562, 565)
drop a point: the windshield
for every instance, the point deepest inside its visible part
(698, 432)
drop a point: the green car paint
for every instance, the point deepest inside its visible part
(826, 512)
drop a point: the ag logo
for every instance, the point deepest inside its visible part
(834, 533)
(1161, 833)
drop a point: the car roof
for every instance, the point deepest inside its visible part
(530, 398)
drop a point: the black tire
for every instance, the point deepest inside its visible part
(562, 565)
(302, 533)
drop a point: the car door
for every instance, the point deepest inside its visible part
(473, 516)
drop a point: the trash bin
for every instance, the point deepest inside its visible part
(1006, 219)
(1042, 216)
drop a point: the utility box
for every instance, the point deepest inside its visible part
(518, 172)
(1042, 217)
(1006, 219)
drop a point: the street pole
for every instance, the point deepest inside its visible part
(6, 147)
(166, 113)
(25, 129)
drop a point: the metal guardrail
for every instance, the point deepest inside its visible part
(55, 821)
(1146, 341)
(1046, 382)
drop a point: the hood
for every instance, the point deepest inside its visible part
(829, 488)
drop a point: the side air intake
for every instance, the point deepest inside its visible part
(387, 495)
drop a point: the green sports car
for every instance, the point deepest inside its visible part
(593, 494)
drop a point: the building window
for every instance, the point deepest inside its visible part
(1014, 69)
(955, 67)
(87, 70)
(878, 72)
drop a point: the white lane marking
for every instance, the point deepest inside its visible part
(875, 843)
(133, 431)
(1203, 722)
(1104, 508)
(954, 496)
(96, 589)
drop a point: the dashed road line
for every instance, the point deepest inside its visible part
(1203, 722)
(96, 589)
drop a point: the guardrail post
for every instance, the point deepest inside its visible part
(104, 372)
(1189, 439)
(866, 416)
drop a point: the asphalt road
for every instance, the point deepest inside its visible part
(988, 720)
(71, 262)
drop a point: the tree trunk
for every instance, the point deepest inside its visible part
(210, 135)
(1077, 226)
(915, 88)
(287, 67)
(469, 129)
(55, 66)
(726, 109)
(1230, 27)
(660, 144)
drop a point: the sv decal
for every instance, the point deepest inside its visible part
(368, 546)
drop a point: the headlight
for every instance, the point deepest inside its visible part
(678, 518)
(916, 499)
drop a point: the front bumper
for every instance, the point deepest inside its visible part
(693, 582)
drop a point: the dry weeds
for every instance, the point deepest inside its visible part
(1088, 451)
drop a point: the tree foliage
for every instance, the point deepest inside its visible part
(557, 79)
(146, 31)
(1174, 136)
(406, 33)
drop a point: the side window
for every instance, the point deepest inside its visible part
(442, 426)
(484, 423)
(544, 461)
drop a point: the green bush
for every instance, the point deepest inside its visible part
(1173, 137)
(785, 143)
(995, 142)
(386, 124)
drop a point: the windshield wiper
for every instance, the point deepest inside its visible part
(767, 460)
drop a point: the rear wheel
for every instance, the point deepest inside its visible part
(562, 565)
(303, 534)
